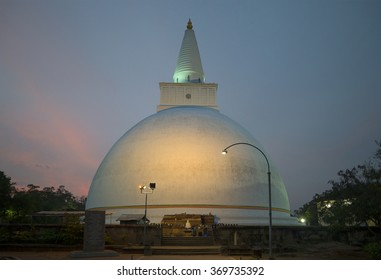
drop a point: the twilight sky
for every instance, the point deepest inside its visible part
(303, 76)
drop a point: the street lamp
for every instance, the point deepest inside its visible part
(224, 152)
(146, 190)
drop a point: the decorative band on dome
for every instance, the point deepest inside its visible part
(200, 206)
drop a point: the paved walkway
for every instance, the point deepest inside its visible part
(62, 255)
(319, 251)
(186, 257)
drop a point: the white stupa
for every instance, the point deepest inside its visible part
(179, 148)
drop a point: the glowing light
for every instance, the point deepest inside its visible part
(144, 188)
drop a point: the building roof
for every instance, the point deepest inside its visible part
(58, 213)
(130, 217)
(62, 213)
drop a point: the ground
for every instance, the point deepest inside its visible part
(313, 251)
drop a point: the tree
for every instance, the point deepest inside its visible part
(17, 204)
(7, 189)
(354, 199)
(309, 213)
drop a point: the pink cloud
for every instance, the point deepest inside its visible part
(45, 145)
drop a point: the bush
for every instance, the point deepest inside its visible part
(72, 232)
(5, 235)
(374, 250)
(49, 237)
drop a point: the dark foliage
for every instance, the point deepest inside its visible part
(16, 205)
(354, 199)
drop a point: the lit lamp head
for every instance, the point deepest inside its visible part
(224, 152)
(145, 189)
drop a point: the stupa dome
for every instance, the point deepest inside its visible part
(179, 149)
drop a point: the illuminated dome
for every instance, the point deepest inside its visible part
(179, 148)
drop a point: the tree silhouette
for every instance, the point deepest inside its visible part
(354, 199)
(16, 205)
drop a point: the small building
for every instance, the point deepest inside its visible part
(57, 217)
(61, 217)
(131, 219)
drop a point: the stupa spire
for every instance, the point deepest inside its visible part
(189, 67)
(188, 87)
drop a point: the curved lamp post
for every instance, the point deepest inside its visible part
(146, 190)
(224, 152)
